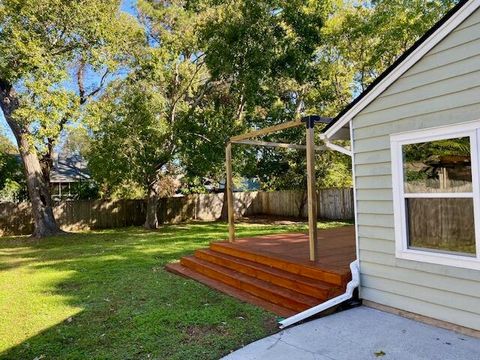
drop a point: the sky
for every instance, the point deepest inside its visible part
(127, 6)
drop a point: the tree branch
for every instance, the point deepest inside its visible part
(84, 96)
(184, 91)
(100, 86)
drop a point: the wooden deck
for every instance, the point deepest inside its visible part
(273, 271)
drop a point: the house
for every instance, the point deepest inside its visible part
(67, 171)
(415, 142)
(415, 247)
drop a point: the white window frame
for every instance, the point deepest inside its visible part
(471, 129)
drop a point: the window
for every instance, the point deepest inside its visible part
(436, 195)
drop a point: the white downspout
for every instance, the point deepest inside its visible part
(351, 286)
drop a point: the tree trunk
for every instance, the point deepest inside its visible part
(224, 212)
(38, 188)
(39, 193)
(151, 221)
(303, 202)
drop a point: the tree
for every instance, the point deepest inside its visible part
(132, 143)
(140, 118)
(268, 53)
(367, 39)
(46, 46)
(282, 59)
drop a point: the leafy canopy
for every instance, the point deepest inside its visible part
(56, 54)
(141, 118)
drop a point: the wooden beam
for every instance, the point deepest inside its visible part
(274, 144)
(267, 130)
(311, 192)
(229, 190)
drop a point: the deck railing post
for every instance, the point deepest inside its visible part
(311, 190)
(229, 190)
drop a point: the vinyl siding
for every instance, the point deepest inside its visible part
(442, 88)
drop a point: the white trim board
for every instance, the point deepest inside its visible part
(464, 12)
(355, 205)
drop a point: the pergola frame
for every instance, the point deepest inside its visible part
(310, 148)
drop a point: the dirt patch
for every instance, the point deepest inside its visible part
(271, 325)
(198, 333)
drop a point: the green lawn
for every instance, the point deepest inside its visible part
(106, 295)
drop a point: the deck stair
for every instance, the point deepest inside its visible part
(280, 285)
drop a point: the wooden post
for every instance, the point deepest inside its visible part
(229, 185)
(311, 191)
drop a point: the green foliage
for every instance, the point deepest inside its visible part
(434, 149)
(265, 52)
(46, 46)
(255, 42)
(6, 146)
(131, 142)
(12, 182)
(202, 137)
(284, 59)
(199, 72)
(166, 113)
(14, 190)
(85, 190)
(367, 39)
(76, 141)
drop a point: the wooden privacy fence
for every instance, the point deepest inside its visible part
(332, 204)
(335, 204)
(16, 219)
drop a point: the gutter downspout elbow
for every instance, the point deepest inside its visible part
(351, 286)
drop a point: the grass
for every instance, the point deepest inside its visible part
(106, 295)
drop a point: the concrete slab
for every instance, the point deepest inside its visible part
(362, 333)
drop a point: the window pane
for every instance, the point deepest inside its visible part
(438, 166)
(442, 225)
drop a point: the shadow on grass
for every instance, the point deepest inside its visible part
(116, 301)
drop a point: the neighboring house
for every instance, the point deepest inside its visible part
(416, 146)
(67, 171)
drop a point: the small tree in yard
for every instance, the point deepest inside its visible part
(46, 47)
(132, 143)
(136, 126)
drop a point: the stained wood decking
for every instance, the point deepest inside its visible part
(273, 271)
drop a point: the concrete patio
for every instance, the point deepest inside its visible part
(362, 333)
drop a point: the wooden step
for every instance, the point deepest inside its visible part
(262, 289)
(179, 269)
(304, 285)
(326, 275)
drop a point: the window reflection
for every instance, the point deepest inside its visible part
(438, 166)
